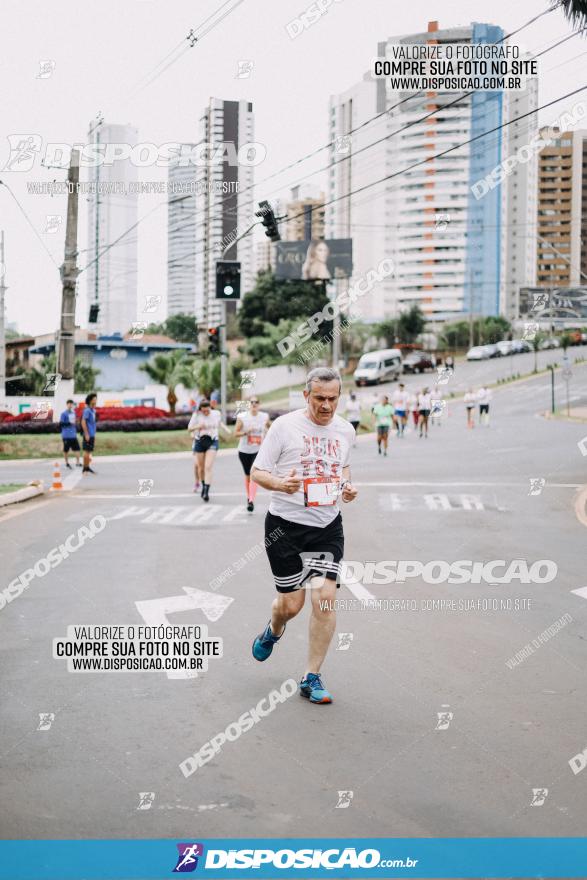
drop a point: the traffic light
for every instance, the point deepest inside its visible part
(214, 340)
(269, 221)
(228, 279)
(94, 310)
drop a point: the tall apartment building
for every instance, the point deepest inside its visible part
(362, 217)
(112, 209)
(181, 237)
(562, 211)
(226, 205)
(452, 251)
(264, 256)
(306, 207)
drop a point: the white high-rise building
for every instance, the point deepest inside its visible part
(112, 209)
(453, 253)
(181, 237)
(226, 206)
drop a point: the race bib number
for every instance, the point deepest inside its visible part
(320, 491)
(253, 439)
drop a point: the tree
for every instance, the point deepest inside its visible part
(181, 328)
(207, 375)
(273, 299)
(171, 369)
(410, 324)
(387, 330)
(263, 351)
(34, 380)
(535, 343)
(493, 328)
(454, 335)
(575, 12)
(566, 340)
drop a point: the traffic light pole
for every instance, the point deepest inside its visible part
(223, 363)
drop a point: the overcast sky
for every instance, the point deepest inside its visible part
(101, 50)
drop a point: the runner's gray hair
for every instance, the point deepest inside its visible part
(322, 374)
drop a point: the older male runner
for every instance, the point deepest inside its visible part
(304, 462)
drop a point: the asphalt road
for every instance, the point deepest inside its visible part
(430, 729)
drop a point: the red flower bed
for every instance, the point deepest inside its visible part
(124, 413)
(26, 416)
(104, 414)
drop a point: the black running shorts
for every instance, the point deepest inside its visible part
(302, 551)
(247, 459)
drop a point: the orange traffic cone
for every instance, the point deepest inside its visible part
(57, 484)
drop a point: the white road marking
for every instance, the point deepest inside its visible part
(71, 480)
(184, 514)
(154, 612)
(166, 495)
(582, 591)
(470, 483)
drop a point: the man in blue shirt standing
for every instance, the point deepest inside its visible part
(69, 433)
(89, 431)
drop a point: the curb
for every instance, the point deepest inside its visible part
(22, 494)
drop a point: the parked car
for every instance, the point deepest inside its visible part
(418, 362)
(378, 366)
(492, 350)
(549, 342)
(477, 353)
(521, 346)
(505, 347)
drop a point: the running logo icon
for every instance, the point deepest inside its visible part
(187, 859)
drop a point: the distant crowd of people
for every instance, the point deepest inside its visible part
(422, 406)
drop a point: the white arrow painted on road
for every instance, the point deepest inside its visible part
(154, 612)
(582, 591)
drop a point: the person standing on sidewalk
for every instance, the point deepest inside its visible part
(67, 424)
(89, 431)
(305, 462)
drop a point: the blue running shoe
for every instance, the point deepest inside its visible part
(311, 687)
(263, 644)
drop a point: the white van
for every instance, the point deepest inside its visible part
(378, 366)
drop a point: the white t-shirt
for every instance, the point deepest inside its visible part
(412, 402)
(201, 424)
(483, 395)
(353, 410)
(424, 401)
(400, 400)
(255, 428)
(470, 398)
(295, 441)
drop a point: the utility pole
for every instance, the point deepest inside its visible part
(471, 341)
(69, 272)
(2, 330)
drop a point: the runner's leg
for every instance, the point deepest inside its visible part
(285, 606)
(209, 457)
(322, 623)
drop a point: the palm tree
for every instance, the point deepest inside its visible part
(171, 369)
(535, 342)
(575, 11)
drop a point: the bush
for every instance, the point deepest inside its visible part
(36, 426)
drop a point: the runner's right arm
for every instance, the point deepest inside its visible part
(290, 484)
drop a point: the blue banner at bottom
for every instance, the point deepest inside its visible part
(306, 858)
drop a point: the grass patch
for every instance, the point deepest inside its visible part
(10, 487)
(19, 446)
